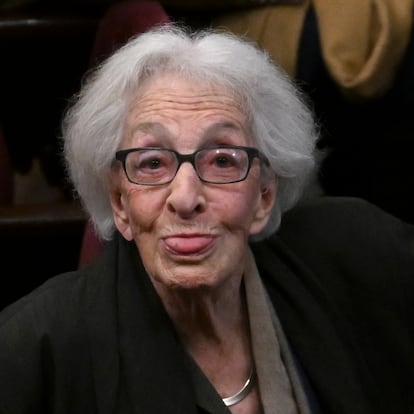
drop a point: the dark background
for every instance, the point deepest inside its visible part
(45, 50)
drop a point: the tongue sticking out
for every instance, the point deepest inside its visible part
(188, 245)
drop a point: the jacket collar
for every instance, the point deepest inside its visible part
(132, 335)
(319, 336)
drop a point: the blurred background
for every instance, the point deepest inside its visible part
(354, 61)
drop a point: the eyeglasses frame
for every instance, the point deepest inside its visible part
(252, 153)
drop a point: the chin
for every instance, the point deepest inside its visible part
(187, 285)
(190, 283)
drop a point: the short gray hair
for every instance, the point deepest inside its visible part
(280, 118)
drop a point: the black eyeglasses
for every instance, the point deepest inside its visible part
(216, 165)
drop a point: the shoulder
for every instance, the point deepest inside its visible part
(346, 244)
(355, 263)
(42, 335)
(51, 316)
(57, 292)
(340, 211)
(61, 310)
(345, 225)
(66, 293)
(51, 338)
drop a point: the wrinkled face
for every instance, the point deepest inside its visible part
(190, 234)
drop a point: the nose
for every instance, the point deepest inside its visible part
(186, 197)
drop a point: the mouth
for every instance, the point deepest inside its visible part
(188, 244)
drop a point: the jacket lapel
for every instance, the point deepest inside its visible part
(318, 334)
(152, 358)
(130, 335)
(102, 325)
(148, 354)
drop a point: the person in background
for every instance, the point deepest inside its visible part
(221, 287)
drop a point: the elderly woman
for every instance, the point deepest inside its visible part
(185, 150)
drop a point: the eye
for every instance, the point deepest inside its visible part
(222, 160)
(150, 163)
(152, 160)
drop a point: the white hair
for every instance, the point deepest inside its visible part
(280, 119)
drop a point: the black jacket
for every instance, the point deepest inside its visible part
(340, 273)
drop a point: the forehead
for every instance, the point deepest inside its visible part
(174, 92)
(168, 106)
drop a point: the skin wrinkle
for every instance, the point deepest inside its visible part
(199, 198)
(137, 134)
(176, 99)
(152, 129)
(225, 106)
(202, 292)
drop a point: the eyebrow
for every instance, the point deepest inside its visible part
(210, 134)
(220, 126)
(151, 127)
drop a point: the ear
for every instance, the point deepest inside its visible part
(119, 206)
(266, 201)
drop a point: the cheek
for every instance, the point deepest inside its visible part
(237, 209)
(144, 207)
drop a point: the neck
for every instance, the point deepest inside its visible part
(205, 314)
(214, 329)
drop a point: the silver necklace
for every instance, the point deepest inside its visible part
(242, 393)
